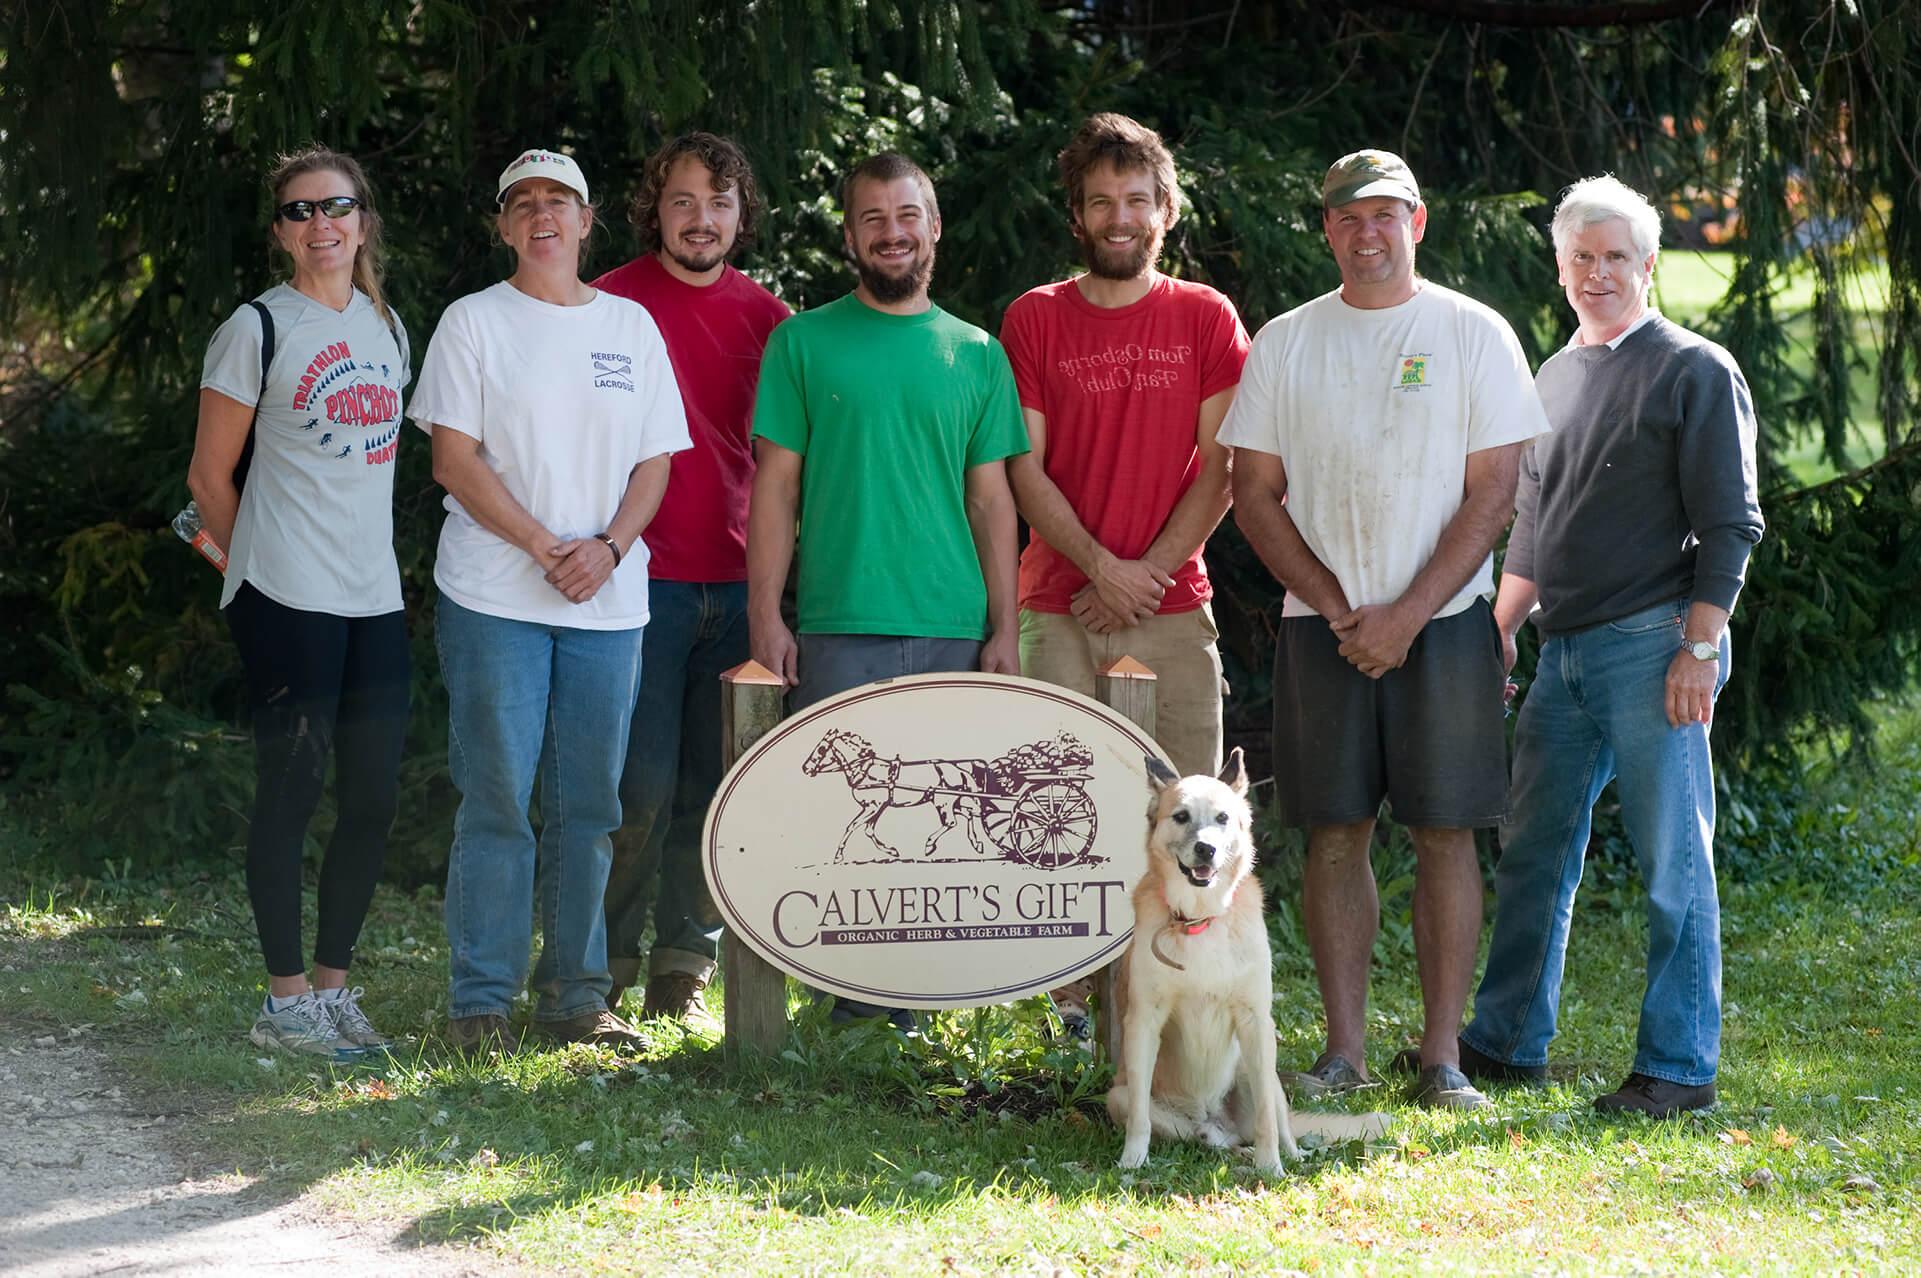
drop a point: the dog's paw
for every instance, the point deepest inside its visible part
(1269, 1166)
(1132, 1158)
(1214, 1135)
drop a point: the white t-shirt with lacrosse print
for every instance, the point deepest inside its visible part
(316, 524)
(565, 401)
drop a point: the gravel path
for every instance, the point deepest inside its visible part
(93, 1181)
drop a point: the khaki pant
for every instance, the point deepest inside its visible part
(1180, 649)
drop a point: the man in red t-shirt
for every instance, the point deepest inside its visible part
(697, 206)
(1124, 376)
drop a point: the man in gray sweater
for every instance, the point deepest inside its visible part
(1636, 518)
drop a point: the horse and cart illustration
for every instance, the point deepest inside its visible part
(1029, 805)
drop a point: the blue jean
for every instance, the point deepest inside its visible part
(696, 631)
(527, 699)
(1597, 712)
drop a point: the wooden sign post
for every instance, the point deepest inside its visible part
(752, 701)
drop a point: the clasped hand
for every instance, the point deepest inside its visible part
(1375, 637)
(579, 568)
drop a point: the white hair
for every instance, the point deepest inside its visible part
(1600, 199)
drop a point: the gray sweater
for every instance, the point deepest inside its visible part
(1646, 489)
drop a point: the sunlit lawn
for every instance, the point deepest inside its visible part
(976, 1150)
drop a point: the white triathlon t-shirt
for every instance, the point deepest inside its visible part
(565, 401)
(1373, 414)
(315, 529)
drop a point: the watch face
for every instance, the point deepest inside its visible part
(1704, 651)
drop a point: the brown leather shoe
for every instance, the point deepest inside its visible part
(597, 1026)
(472, 1035)
(1655, 1097)
(676, 996)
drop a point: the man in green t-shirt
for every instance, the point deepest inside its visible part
(881, 427)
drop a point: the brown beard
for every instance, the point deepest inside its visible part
(896, 288)
(1128, 265)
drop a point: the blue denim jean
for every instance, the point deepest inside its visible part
(527, 699)
(696, 631)
(1596, 713)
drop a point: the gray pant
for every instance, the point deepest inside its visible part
(831, 664)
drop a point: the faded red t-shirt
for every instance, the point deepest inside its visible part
(715, 336)
(1121, 390)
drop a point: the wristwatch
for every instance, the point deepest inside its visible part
(1701, 650)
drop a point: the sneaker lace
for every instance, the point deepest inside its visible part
(313, 1021)
(347, 1016)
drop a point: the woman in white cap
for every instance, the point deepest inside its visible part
(300, 403)
(553, 409)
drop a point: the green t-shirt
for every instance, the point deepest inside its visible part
(889, 411)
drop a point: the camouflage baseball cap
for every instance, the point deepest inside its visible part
(1364, 173)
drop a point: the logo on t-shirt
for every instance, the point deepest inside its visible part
(614, 371)
(1127, 366)
(1413, 374)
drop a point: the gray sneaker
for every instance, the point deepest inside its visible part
(303, 1027)
(352, 1023)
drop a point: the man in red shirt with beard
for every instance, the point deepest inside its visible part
(697, 207)
(1124, 376)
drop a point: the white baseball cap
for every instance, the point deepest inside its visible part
(551, 165)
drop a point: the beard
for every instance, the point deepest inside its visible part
(1128, 263)
(698, 263)
(888, 287)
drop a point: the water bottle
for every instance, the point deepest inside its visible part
(187, 524)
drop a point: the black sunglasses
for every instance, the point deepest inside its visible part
(335, 206)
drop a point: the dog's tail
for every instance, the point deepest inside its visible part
(1331, 1129)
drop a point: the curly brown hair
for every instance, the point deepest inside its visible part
(731, 172)
(1129, 146)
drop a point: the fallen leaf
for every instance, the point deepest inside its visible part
(585, 1147)
(485, 1158)
(1860, 1183)
(1782, 1140)
(1762, 1180)
(1515, 1140)
(1735, 1136)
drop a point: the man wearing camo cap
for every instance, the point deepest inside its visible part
(1377, 434)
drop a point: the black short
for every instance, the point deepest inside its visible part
(1427, 737)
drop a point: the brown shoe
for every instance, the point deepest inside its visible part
(598, 1026)
(472, 1035)
(676, 997)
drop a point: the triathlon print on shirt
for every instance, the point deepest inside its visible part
(1128, 366)
(348, 413)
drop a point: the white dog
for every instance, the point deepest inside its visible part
(1196, 986)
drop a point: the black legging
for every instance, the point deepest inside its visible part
(318, 684)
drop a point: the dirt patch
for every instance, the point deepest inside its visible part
(95, 1179)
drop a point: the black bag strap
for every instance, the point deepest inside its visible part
(266, 361)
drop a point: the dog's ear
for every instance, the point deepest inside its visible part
(1159, 775)
(1234, 775)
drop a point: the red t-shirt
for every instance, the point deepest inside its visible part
(1121, 390)
(714, 337)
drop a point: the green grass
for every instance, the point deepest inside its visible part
(1687, 284)
(971, 1151)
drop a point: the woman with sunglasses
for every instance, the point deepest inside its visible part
(312, 591)
(553, 408)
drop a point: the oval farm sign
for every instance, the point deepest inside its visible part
(945, 840)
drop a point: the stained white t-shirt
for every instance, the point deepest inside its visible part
(1373, 414)
(315, 530)
(565, 401)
